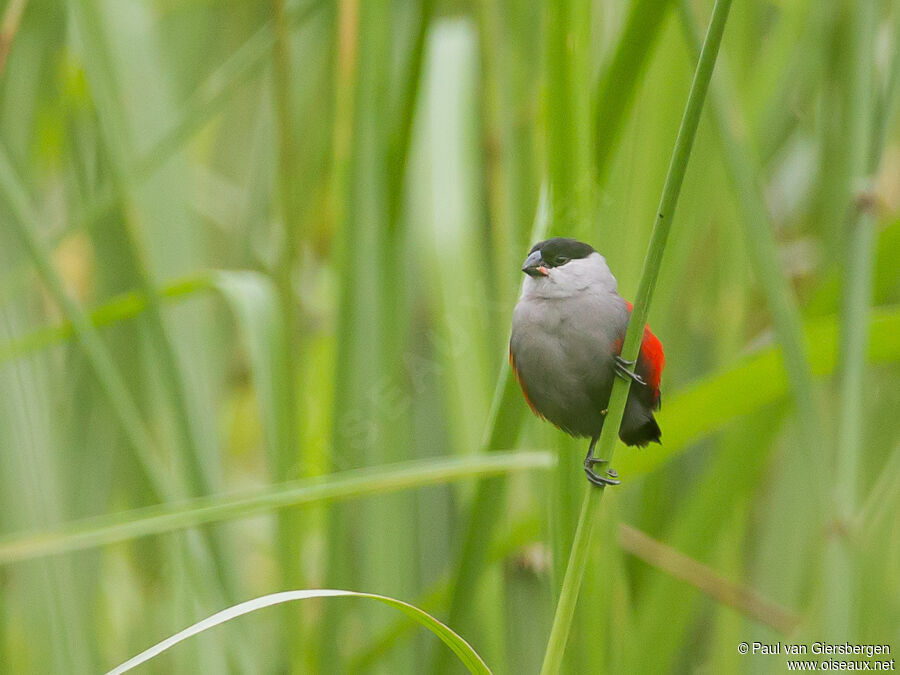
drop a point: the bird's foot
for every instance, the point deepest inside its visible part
(622, 370)
(600, 480)
(610, 477)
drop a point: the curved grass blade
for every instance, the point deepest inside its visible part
(457, 644)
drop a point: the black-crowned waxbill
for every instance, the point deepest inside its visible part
(567, 334)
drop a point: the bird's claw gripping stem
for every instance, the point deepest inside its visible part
(622, 370)
(600, 480)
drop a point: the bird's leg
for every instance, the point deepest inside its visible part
(621, 368)
(611, 477)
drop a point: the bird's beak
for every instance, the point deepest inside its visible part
(534, 265)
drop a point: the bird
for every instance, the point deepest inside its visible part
(565, 347)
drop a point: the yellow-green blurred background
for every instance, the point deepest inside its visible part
(249, 243)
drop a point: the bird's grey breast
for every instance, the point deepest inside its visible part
(581, 328)
(563, 349)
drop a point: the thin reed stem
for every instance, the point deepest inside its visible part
(565, 608)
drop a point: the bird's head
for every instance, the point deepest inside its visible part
(561, 266)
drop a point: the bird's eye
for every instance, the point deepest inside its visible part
(560, 260)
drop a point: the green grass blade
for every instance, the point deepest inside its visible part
(287, 344)
(457, 644)
(882, 501)
(567, 116)
(402, 136)
(352, 484)
(565, 608)
(25, 225)
(246, 62)
(113, 127)
(254, 301)
(606, 445)
(864, 154)
(708, 405)
(760, 235)
(208, 100)
(199, 453)
(617, 87)
(508, 410)
(502, 431)
(119, 308)
(513, 539)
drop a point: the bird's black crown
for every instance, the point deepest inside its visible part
(560, 250)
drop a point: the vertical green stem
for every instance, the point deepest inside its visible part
(213, 558)
(570, 175)
(840, 565)
(565, 607)
(568, 127)
(613, 101)
(371, 324)
(503, 427)
(402, 135)
(763, 248)
(858, 270)
(292, 227)
(508, 409)
(167, 485)
(286, 455)
(122, 404)
(86, 18)
(606, 445)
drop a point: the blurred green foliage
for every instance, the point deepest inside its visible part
(247, 246)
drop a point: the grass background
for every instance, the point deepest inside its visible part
(258, 267)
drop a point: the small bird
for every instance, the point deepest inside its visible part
(567, 333)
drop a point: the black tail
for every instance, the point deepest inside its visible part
(641, 435)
